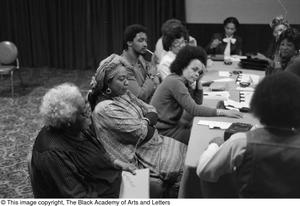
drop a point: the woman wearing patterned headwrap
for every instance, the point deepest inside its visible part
(125, 125)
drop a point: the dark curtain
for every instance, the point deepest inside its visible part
(76, 34)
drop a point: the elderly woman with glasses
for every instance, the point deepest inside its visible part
(289, 45)
(278, 25)
(67, 159)
(125, 125)
(182, 91)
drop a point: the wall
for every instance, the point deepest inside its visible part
(247, 11)
(205, 17)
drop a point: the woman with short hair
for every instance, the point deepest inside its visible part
(182, 91)
(289, 45)
(67, 160)
(174, 38)
(278, 25)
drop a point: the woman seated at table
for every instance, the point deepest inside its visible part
(67, 159)
(294, 67)
(278, 25)
(165, 28)
(173, 40)
(182, 90)
(125, 125)
(226, 42)
(289, 45)
(265, 160)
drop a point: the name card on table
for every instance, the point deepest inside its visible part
(218, 95)
(215, 124)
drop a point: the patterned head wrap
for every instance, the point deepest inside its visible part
(106, 71)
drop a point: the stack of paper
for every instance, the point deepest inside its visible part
(222, 95)
(135, 186)
(215, 124)
(251, 78)
(224, 74)
(233, 105)
(237, 58)
(224, 80)
(250, 89)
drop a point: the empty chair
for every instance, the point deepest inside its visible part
(9, 61)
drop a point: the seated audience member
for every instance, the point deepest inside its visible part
(278, 25)
(182, 90)
(226, 42)
(294, 67)
(143, 78)
(125, 125)
(289, 44)
(173, 40)
(67, 159)
(265, 160)
(169, 24)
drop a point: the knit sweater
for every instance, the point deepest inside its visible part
(172, 97)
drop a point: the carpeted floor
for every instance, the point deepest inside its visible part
(20, 122)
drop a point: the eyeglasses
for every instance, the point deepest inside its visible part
(179, 42)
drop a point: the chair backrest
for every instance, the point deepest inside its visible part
(8, 52)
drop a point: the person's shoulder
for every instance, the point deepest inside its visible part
(50, 139)
(167, 58)
(218, 35)
(103, 106)
(173, 80)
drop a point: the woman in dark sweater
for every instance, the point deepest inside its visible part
(182, 90)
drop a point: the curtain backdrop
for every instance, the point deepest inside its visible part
(76, 34)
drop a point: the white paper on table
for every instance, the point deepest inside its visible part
(221, 95)
(224, 80)
(251, 78)
(215, 124)
(224, 74)
(237, 58)
(250, 89)
(238, 105)
(255, 78)
(135, 186)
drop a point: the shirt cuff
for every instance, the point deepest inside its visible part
(206, 156)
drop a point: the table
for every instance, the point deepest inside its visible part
(201, 135)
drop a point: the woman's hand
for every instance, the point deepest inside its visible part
(230, 113)
(217, 140)
(215, 43)
(125, 166)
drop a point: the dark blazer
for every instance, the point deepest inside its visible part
(235, 48)
(72, 167)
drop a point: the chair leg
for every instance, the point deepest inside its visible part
(21, 79)
(12, 83)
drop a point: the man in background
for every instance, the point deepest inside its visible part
(142, 76)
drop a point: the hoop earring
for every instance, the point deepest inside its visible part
(108, 91)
